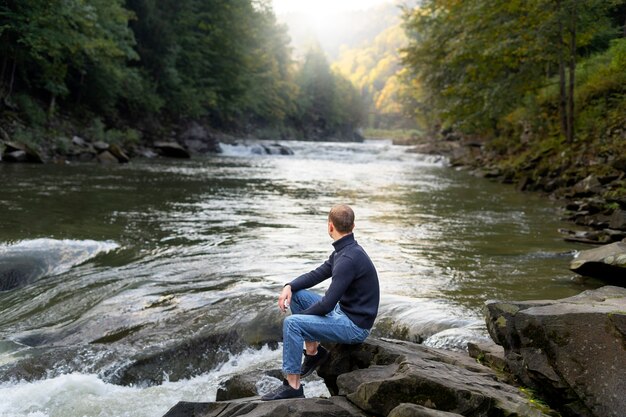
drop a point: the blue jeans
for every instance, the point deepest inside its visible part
(334, 327)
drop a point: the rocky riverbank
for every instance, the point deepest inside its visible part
(569, 355)
(194, 139)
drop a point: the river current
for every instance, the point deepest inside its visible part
(140, 285)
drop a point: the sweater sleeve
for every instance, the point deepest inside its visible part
(310, 279)
(343, 275)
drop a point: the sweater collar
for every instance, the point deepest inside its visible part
(343, 242)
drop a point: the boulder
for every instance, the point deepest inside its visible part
(277, 149)
(119, 154)
(21, 152)
(198, 139)
(101, 146)
(380, 375)
(308, 407)
(607, 263)
(414, 410)
(106, 157)
(243, 385)
(171, 150)
(587, 187)
(571, 351)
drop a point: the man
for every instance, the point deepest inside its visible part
(345, 314)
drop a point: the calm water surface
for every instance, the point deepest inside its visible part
(124, 260)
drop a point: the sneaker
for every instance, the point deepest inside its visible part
(284, 392)
(311, 363)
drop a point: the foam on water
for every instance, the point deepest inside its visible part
(78, 395)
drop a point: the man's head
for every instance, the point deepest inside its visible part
(340, 221)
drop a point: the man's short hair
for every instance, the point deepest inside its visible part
(342, 217)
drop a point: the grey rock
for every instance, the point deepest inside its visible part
(198, 139)
(572, 351)
(414, 410)
(308, 407)
(607, 263)
(171, 150)
(380, 375)
(106, 157)
(101, 146)
(119, 154)
(587, 187)
(21, 152)
(618, 220)
(489, 354)
(243, 385)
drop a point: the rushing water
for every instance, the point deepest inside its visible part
(119, 264)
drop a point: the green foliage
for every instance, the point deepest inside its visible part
(131, 62)
(35, 115)
(327, 103)
(479, 60)
(97, 131)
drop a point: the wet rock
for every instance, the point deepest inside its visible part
(488, 353)
(607, 263)
(380, 375)
(244, 385)
(618, 220)
(277, 149)
(101, 146)
(171, 150)
(106, 157)
(594, 237)
(21, 152)
(572, 351)
(198, 139)
(119, 154)
(587, 187)
(414, 410)
(309, 407)
(78, 141)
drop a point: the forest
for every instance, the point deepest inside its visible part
(531, 79)
(135, 68)
(541, 83)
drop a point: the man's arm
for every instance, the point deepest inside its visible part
(310, 279)
(343, 276)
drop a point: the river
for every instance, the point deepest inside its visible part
(148, 283)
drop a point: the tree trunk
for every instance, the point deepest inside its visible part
(562, 81)
(12, 77)
(572, 74)
(53, 101)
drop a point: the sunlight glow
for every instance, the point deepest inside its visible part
(317, 9)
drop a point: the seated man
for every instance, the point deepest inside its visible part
(345, 314)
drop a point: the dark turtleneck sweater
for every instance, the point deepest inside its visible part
(354, 283)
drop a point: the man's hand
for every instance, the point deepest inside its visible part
(285, 298)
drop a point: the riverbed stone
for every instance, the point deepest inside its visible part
(106, 157)
(414, 410)
(171, 150)
(244, 385)
(197, 138)
(21, 152)
(587, 187)
(572, 351)
(253, 407)
(119, 153)
(607, 263)
(381, 374)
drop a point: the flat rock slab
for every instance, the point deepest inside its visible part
(253, 407)
(572, 351)
(606, 263)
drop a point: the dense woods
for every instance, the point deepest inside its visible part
(137, 66)
(542, 81)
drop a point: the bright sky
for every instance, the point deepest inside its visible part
(317, 8)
